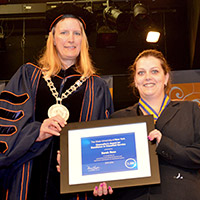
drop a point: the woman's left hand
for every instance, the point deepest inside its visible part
(155, 134)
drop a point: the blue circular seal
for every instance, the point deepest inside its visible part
(130, 163)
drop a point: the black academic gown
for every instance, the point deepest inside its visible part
(19, 127)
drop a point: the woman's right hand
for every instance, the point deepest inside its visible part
(103, 189)
(50, 127)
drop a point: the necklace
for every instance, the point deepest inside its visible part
(58, 108)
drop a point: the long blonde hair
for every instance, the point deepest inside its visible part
(51, 63)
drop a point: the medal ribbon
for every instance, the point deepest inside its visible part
(150, 111)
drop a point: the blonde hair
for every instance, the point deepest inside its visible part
(51, 64)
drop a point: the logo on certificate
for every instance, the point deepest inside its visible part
(130, 163)
(93, 169)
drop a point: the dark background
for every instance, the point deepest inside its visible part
(23, 35)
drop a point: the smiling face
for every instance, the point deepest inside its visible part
(67, 40)
(150, 79)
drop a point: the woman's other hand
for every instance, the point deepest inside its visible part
(58, 160)
(50, 127)
(155, 134)
(103, 189)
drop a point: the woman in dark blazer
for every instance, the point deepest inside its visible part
(177, 134)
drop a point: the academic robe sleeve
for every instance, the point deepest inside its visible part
(18, 130)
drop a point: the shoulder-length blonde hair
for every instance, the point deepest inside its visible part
(51, 64)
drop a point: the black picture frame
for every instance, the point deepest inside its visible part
(78, 130)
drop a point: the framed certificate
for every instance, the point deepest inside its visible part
(116, 151)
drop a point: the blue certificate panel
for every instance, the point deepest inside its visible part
(109, 153)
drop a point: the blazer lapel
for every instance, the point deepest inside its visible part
(168, 114)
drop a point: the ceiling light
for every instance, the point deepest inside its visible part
(89, 9)
(140, 11)
(153, 36)
(117, 18)
(106, 37)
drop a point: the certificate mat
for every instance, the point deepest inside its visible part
(116, 151)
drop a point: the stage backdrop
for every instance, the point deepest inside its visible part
(185, 86)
